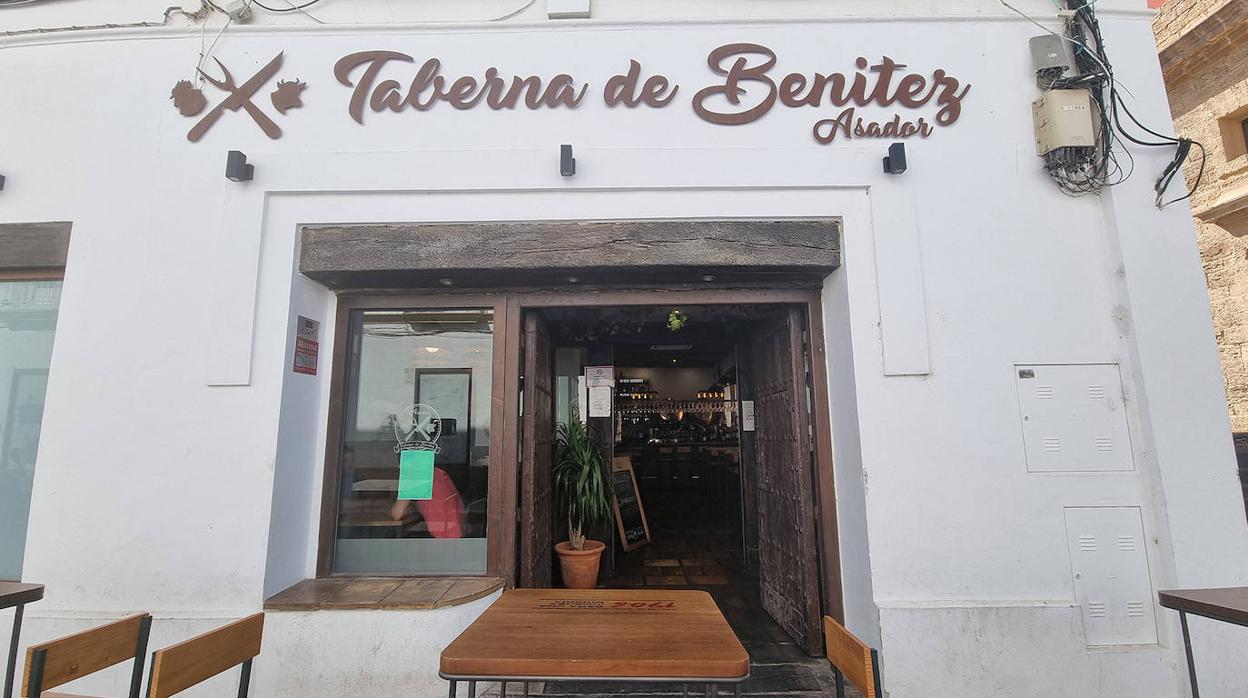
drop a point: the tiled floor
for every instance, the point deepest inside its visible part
(698, 547)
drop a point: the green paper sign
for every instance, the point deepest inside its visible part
(416, 475)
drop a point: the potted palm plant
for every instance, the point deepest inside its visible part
(583, 494)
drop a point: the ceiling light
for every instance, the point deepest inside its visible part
(446, 282)
(432, 350)
(708, 277)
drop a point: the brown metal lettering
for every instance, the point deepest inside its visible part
(562, 90)
(386, 96)
(881, 84)
(623, 89)
(461, 93)
(741, 71)
(950, 98)
(909, 89)
(375, 60)
(746, 92)
(885, 68)
(428, 87)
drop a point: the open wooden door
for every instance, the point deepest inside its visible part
(537, 436)
(788, 573)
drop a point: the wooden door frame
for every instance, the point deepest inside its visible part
(347, 304)
(503, 480)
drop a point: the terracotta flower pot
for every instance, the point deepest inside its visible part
(580, 567)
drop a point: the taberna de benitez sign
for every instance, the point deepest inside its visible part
(743, 86)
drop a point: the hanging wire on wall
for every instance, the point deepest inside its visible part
(1079, 171)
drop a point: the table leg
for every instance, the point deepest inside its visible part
(685, 693)
(472, 689)
(502, 690)
(453, 685)
(736, 691)
(840, 683)
(1187, 647)
(11, 666)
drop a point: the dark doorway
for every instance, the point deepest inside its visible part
(729, 496)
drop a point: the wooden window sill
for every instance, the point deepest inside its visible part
(389, 593)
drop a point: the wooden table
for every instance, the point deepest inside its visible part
(634, 635)
(378, 521)
(376, 485)
(1229, 605)
(16, 594)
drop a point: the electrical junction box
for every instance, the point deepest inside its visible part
(1051, 52)
(1064, 119)
(1074, 418)
(238, 10)
(1111, 575)
(567, 9)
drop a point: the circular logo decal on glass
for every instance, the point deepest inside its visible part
(417, 428)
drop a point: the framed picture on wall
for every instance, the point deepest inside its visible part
(449, 391)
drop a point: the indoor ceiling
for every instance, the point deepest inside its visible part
(641, 336)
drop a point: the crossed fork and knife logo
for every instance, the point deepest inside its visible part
(287, 96)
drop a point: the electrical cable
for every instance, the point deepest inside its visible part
(205, 55)
(1183, 146)
(515, 12)
(304, 12)
(292, 8)
(1084, 170)
(300, 9)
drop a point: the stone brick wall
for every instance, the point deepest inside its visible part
(1226, 271)
(1204, 56)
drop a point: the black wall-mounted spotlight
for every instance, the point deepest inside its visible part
(237, 169)
(1, 182)
(895, 163)
(567, 163)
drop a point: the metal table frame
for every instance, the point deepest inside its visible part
(1187, 640)
(18, 603)
(1187, 645)
(710, 686)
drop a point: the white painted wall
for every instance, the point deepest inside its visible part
(46, 14)
(156, 490)
(295, 518)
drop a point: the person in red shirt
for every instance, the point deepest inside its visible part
(443, 514)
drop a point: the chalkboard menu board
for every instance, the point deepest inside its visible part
(630, 517)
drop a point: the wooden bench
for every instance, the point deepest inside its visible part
(57, 662)
(852, 659)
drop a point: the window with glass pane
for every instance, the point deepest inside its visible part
(415, 452)
(27, 324)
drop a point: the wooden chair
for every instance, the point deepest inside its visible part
(60, 661)
(852, 659)
(178, 667)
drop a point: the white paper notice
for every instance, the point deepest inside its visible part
(582, 404)
(600, 401)
(599, 376)
(747, 415)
